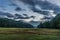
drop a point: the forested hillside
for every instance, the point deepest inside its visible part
(54, 23)
(4, 22)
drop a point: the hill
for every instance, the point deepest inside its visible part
(9, 23)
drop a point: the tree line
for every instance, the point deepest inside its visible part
(54, 23)
(9, 23)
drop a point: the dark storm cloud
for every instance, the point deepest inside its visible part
(6, 14)
(25, 15)
(30, 2)
(18, 16)
(18, 9)
(43, 4)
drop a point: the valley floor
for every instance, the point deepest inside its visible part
(29, 34)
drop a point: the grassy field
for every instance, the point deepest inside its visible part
(29, 34)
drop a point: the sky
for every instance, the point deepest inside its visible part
(5, 3)
(55, 2)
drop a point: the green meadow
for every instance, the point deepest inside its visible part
(29, 34)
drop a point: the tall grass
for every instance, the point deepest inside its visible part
(29, 34)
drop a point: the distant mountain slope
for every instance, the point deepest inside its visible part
(4, 22)
(54, 23)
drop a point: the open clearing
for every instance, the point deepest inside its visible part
(29, 34)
